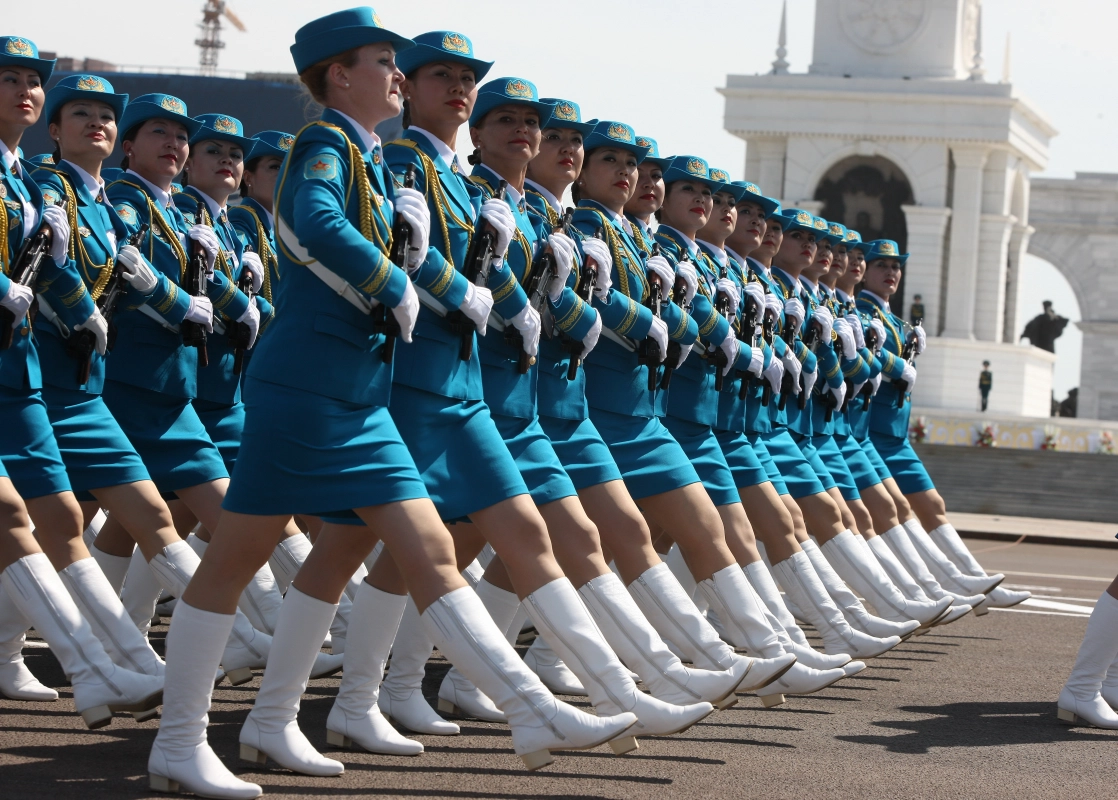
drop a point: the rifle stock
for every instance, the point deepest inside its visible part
(479, 257)
(25, 271)
(383, 320)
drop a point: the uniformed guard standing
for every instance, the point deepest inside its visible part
(985, 383)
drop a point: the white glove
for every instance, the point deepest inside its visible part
(135, 269)
(251, 317)
(55, 217)
(876, 381)
(412, 206)
(251, 262)
(757, 292)
(598, 251)
(406, 312)
(590, 340)
(858, 388)
(794, 310)
(846, 339)
(690, 275)
(731, 347)
(477, 305)
(18, 300)
(684, 351)
(775, 374)
(909, 376)
(757, 361)
(201, 311)
(879, 328)
(659, 266)
(208, 239)
(529, 324)
(99, 326)
(498, 214)
(840, 394)
(659, 334)
(793, 367)
(809, 380)
(921, 339)
(855, 323)
(773, 302)
(733, 291)
(564, 250)
(827, 320)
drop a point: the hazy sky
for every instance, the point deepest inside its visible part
(633, 60)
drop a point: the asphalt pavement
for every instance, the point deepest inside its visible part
(966, 711)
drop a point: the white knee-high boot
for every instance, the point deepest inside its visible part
(114, 567)
(953, 546)
(260, 601)
(900, 542)
(16, 680)
(458, 623)
(355, 719)
(943, 568)
(401, 693)
(287, 558)
(1080, 700)
(100, 687)
(181, 758)
(271, 729)
(89, 535)
(141, 592)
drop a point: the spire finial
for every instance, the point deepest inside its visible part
(978, 72)
(780, 66)
(1007, 64)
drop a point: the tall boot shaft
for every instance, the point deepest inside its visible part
(287, 559)
(114, 567)
(740, 611)
(943, 568)
(141, 592)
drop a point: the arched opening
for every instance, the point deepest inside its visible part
(866, 193)
(1040, 281)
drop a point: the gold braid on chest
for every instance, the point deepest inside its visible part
(433, 188)
(155, 215)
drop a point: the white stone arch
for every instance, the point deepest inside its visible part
(865, 149)
(1062, 249)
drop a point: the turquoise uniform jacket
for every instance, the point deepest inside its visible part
(93, 247)
(60, 285)
(257, 234)
(798, 420)
(885, 417)
(616, 381)
(833, 369)
(759, 418)
(149, 352)
(320, 342)
(217, 382)
(432, 362)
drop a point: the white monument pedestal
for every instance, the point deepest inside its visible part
(947, 377)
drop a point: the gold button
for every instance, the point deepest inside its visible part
(532, 360)
(24, 331)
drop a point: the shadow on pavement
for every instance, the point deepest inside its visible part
(977, 725)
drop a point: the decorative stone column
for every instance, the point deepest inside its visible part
(993, 256)
(764, 164)
(1018, 246)
(1098, 380)
(962, 263)
(924, 272)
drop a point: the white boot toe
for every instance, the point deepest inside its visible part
(201, 773)
(460, 697)
(17, 683)
(657, 718)
(571, 729)
(556, 676)
(766, 670)
(1094, 712)
(802, 680)
(810, 657)
(853, 667)
(288, 747)
(415, 713)
(1006, 598)
(371, 732)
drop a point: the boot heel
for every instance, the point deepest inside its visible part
(238, 676)
(144, 716)
(533, 761)
(160, 784)
(447, 707)
(726, 702)
(1067, 716)
(981, 610)
(338, 740)
(623, 745)
(97, 717)
(770, 700)
(250, 753)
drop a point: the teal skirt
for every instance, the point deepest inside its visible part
(798, 473)
(581, 450)
(703, 451)
(93, 446)
(536, 459)
(650, 460)
(744, 464)
(168, 435)
(904, 465)
(861, 468)
(305, 453)
(812, 456)
(458, 450)
(224, 425)
(835, 461)
(875, 458)
(27, 445)
(761, 451)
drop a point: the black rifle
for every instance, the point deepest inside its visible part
(585, 291)
(811, 342)
(715, 354)
(193, 333)
(81, 345)
(649, 350)
(25, 271)
(908, 354)
(239, 333)
(768, 335)
(788, 334)
(383, 320)
(479, 258)
(675, 349)
(867, 390)
(538, 287)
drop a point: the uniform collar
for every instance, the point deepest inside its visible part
(812, 288)
(369, 139)
(96, 186)
(551, 199)
(620, 219)
(688, 243)
(164, 198)
(787, 279)
(511, 194)
(442, 148)
(719, 253)
(876, 300)
(843, 296)
(248, 202)
(9, 158)
(646, 229)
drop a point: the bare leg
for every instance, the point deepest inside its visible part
(16, 540)
(58, 528)
(862, 518)
(739, 533)
(822, 516)
(771, 520)
(929, 508)
(624, 533)
(844, 511)
(882, 509)
(518, 534)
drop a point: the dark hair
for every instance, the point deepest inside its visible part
(250, 166)
(314, 76)
(129, 136)
(658, 213)
(406, 121)
(55, 119)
